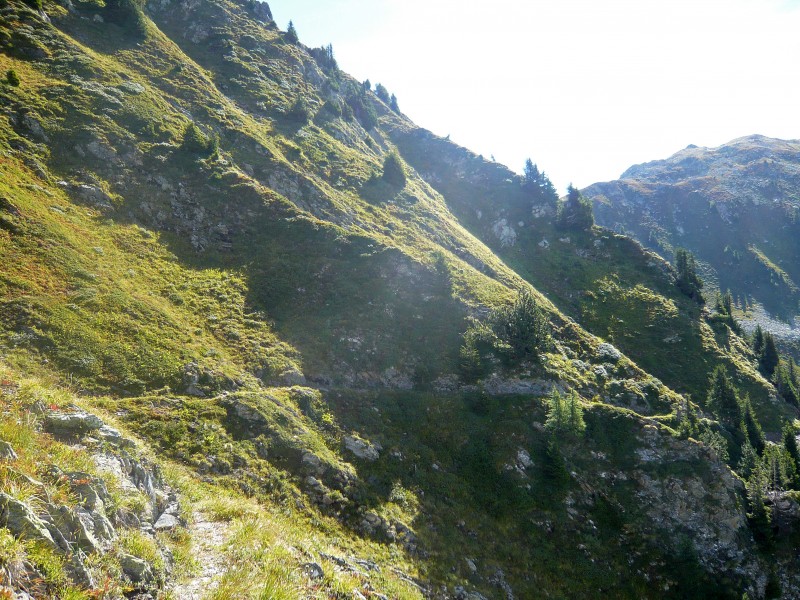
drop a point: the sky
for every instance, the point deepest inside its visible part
(585, 88)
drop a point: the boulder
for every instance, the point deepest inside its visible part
(166, 522)
(361, 448)
(22, 522)
(136, 569)
(608, 353)
(74, 424)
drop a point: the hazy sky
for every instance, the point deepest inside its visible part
(585, 88)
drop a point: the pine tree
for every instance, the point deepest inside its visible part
(291, 34)
(760, 516)
(688, 281)
(523, 326)
(748, 462)
(784, 383)
(688, 421)
(382, 93)
(723, 399)
(790, 444)
(769, 357)
(576, 211)
(565, 415)
(758, 341)
(752, 428)
(393, 104)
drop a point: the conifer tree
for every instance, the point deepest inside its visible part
(576, 211)
(758, 341)
(723, 399)
(752, 428)
(393, 104)
(760, 515)
(291, 34)
(769, 357)
(523, 326)
(689, 281)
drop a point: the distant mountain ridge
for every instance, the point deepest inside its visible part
(736, 207)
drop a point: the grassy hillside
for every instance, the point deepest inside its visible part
(199, 239)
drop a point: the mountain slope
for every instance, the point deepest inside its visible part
(198, 236)
(735, 207)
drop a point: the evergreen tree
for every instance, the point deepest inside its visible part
(393, 104)
(688, 421)
(769, 357)
(291, 34)
(523, 326)
(565, 415)
(723, 399)
(759, 515)
(300, 111)
(784, 383)
(752, 428)
(689, 281)
(382, 93)
(537, 181)
(576, 211)
(758, 341)
(790, 445)
(748, 462)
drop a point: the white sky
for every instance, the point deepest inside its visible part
(585, 88)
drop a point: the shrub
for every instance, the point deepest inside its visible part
(127, 14)
(196, 142)
(35, 4)
(394, 173)
(12, 78)
(300, 111)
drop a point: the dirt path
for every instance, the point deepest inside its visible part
(208, 538)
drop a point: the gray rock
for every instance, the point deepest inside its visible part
(313, 570)
(77, 569)
(113, 437)
(361, 448)
(90, 490)
(608, 353)
(6, 451)
(71, 424)
(22, 522)
(136, 569)
(166, 522)
(77, 527)
(313, 463)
